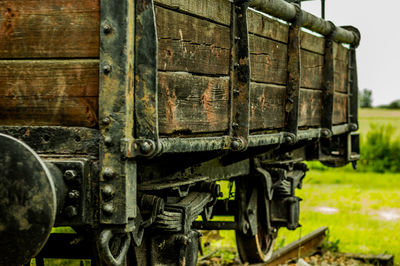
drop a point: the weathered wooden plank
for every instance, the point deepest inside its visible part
(268, 60)
(190, 44)
(341, 55)
(312, 43)
(216, 10)
(264, 26)
(267, 106)
(49, 92)
(192, 104)
(49, 29)
(310, 107)
(311, 70)
(61, 111)
(339, 108)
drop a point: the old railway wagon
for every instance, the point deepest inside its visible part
(119, 117)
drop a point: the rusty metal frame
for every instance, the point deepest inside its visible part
(240, 77)
(116, 111)
(294, 74)
(328, 85)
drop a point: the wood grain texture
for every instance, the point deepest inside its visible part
(339, 108)
(312, 43)
(49, 92)
(267, 27)
(192, 104)
(341, 55)
(310, 108)
(192, 45)
(267, 106)
(216, 10)
(268, 60)
(49, 29)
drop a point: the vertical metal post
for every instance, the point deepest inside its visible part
(146, 83)
(328, 83)
(323, 9)
(117, 184)
(294, 74)
(240, 77)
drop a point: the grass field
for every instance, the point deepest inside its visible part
(379, 117)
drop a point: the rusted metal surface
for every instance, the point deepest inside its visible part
(57, 140)
(240, 77)
(116, 112)
(286, 11)
(328, 86)
(299, 248)
(294, 74)
(146, 83)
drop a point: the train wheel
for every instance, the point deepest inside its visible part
(254, 248)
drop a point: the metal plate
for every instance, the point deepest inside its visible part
(27, 202)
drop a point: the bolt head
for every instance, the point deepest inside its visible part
(108, 140)
(108, 173)
(70, 175)
(108, 209)
(325, 132)
(107, 29)
(106, 121)
(106, 69)
(288, 139)
(71, 211)
(146, 147)
(74, 194)
(235, 145)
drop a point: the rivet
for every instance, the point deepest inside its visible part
(107, 69)
(288, 139)
(106, 120)
(108, 140)
(74, 194)
(70, 175)
(108, 191)
(71, 211)
(108, 209)
(107, 29)
(235, 125)
(108, 173)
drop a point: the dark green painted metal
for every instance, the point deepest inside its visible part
(116, 110)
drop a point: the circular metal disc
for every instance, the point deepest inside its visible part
(27, 202)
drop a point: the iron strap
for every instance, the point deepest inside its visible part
(328, 85)
(294, 74)
(116, 112)
(240, 77)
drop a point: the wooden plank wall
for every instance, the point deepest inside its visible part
(49, 62)
(49, 66)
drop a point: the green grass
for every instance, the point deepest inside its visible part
(379, 117)
(356, 226)
(359, 199)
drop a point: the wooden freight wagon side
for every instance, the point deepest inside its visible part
(49, 67)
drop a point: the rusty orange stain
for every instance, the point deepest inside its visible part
(8, 24)
(206, 101)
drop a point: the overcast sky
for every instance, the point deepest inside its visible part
(378, 56)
